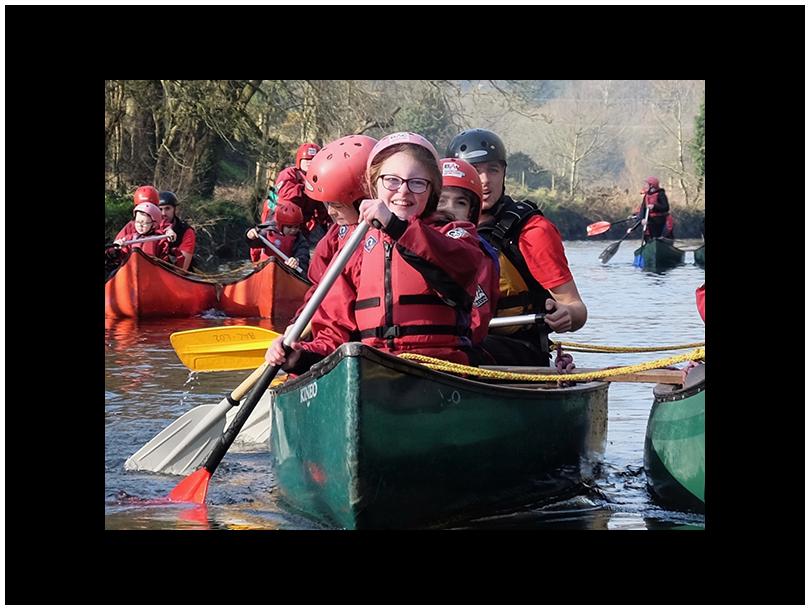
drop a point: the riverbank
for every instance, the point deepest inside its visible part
(222, 222)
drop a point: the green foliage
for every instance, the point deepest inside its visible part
(698, 144)
(117, 212)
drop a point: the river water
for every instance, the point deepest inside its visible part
(147, 388)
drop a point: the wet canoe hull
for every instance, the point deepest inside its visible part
(675, 446)
(658, 254)
(368, 440)
(143, 288)
(270, 292)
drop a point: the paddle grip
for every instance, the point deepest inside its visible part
(243, 388)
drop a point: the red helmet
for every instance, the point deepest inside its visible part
(337, 172)
(402, 137)
(149, 208)
(288, 215)
(653, 181)
(146, 194)
(459, 173)
(305, 151)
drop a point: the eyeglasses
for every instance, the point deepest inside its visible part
(143, 223)
(415, 185)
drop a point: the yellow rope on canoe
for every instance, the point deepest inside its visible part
(460, 369)
(587, 347)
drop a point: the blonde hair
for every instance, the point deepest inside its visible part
(420, 154)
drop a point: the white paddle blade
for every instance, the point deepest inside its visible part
(256, 430)
(183, 445)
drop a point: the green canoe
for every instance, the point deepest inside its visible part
(658, 254)
(700, 256)
(675, 443)
(369, 440)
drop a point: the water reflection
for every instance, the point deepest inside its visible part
(147, 388)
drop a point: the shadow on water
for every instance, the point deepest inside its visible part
(147, 388)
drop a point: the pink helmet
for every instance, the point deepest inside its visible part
(151, 209)
(145, 194)
(653, 181)
(402, 137)
(305, 151)
(337, 172)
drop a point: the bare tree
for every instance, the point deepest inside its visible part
(674, 108)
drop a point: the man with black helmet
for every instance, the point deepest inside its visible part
(535, 277)
(182, 250)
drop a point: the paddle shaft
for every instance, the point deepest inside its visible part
(139, 240)
(278, 251)
(335, 268)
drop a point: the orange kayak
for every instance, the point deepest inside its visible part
(142, 287)
(272, 291)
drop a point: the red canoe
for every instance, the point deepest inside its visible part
(272, 291)
(142, 287)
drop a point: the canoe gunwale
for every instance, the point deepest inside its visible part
(357, 349)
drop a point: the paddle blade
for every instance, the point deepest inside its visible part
(608, 252)
(193, 488)
(222, 348)
(597, 228)
(184, 444)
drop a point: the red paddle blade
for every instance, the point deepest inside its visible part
(598, 227)
(193, 488)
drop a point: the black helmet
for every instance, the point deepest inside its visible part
(168, 198)
(477, 146)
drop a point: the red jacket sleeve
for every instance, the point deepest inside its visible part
(290, 187)
(188, 244)
(541, 245)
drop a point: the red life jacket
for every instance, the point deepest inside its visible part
(652, 199)
(408, 314)
(700, 299)
(158, 249)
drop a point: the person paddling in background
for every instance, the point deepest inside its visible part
(146, 222)
(336, 178)
(410, 287)
(534, 273)
(461, 200)
(182, 249)
(285, 233)
(290, 188)
(143, 194)
(659, 220)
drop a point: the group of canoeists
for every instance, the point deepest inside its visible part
(449, 249)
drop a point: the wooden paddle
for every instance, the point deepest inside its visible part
(608, 252)
(138, 240)
(194, 487)
(597, 228)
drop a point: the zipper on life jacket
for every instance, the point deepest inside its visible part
(389, 295)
